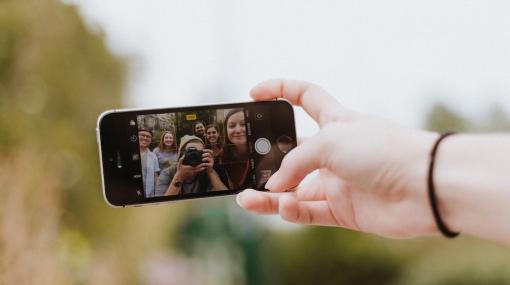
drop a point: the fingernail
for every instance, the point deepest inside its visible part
(270, 182)
(238, 200)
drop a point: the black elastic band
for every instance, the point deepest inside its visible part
(432, 194)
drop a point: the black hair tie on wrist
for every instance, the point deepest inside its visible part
(432, 194)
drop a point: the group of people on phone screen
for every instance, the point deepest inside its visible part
(224, 164)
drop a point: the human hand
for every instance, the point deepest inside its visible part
(207, 161)
(187, 172)
(371, 173)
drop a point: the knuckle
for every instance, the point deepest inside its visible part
(289, 217)
(334, 114)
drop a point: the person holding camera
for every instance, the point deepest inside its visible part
(194, 172)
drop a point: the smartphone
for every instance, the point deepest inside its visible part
(159, 155)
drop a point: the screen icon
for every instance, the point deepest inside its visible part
(191, 117)
(132, 123)
(134, 138)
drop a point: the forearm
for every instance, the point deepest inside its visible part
(156, 177)
(216, 181)
(471, 179)
(172, 189)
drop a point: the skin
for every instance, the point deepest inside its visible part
(212, 135)
(144, 140)
(373, 176)
(168, 140)
(186, 173)
(199, 130)
(236, 129)
(284, 147)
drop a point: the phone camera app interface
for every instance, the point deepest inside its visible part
(193, 152)
(196, 152)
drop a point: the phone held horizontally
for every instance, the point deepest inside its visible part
(158, 155)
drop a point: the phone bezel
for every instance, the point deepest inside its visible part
(168, 199)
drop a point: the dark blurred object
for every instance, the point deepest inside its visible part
(328, 256)
(192, 156)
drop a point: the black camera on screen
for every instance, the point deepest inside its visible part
(192, 156)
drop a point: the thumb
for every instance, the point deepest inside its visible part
(298, 163)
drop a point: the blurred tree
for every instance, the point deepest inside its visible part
(498, 120)
(216, 226)
(321, 255)
(441, 118)
(56, 76)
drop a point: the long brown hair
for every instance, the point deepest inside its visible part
(162, 146)
(236, 166)
(229, 146)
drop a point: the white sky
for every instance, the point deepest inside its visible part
(391, 58)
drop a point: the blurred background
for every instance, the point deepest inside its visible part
(433, 64)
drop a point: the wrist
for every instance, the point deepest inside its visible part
(449, 182)
(178, 176)
(465, 185)
(415, 168)
(210, 172)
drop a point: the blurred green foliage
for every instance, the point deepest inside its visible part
(442, 118)
(56, 76)
(333, 256)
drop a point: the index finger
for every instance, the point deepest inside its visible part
(321, 106)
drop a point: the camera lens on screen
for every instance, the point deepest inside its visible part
(192, 156)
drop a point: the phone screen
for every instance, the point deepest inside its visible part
(182, 153)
